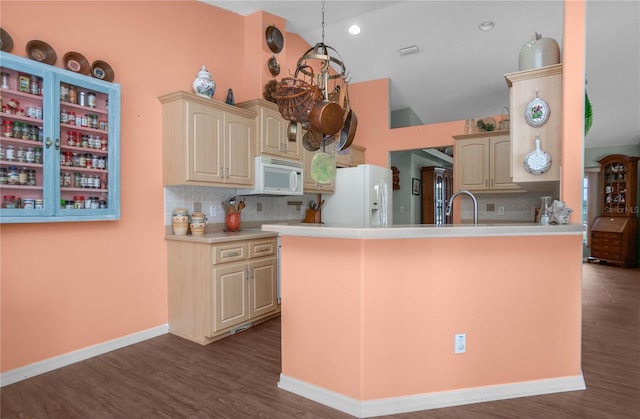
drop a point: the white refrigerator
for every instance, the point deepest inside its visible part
(362, 197)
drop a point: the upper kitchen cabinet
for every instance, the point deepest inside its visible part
(273, 137)
(482, 162)
(60, 145)
(535, 98)
(206, 142)
(351, 157)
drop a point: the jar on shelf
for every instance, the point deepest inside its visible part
(31, 177)
(17, 130)
(39, 203)
(29, 155)
(23, 176)
(37, 155)
(66, 180)
(73, 94)
(10, 153)
(20, 154)
(9, 201)
(198, 223)
(1, 151)
(5, 80)
(12, 175)
(78, 202)
(3, 176)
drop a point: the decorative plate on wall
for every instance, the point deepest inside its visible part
(41, 51)
(76, 62)
(6, 42)
(102, 70)
(536, 113)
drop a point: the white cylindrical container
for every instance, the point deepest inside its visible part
(539, 52)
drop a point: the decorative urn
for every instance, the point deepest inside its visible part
(204, 85)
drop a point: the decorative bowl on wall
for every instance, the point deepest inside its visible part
(76, 62)
(41, 51)
(102, 70)
(6, 42)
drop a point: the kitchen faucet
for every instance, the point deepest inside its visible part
(475, 204)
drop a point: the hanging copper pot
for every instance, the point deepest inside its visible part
(274, 38)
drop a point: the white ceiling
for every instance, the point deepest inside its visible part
(458, 72)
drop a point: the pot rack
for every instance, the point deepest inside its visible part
(323, 55)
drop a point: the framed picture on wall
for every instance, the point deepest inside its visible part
(415, 186)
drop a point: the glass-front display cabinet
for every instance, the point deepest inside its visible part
(60, 144)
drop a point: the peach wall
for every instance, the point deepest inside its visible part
(99, 281)
(66, 286)
(379, 320)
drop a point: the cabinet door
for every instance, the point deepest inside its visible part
(472, 164)
(205, 146)
(239, 150)
(231, 296)
(293, 149)
(500, 159)
(263, 287)
(273, 133)
(72, 122)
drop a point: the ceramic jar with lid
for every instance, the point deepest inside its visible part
(539, 52)
(203, 85)
(198, 223)
(180, 221)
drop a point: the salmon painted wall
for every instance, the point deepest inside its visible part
(66, 286)
(94, 282)
(379, 320)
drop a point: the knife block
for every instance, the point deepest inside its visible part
(313, 217)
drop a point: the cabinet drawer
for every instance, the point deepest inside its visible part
(229, 252)
(262, 248)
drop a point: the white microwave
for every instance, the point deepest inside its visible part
(275, 177)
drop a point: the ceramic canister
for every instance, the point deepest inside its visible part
(539, 52)
(180, 221)
(198, 223)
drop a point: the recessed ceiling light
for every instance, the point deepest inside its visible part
(487, 25)
(408, 50)
(354, 29)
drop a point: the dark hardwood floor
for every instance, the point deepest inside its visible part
(168, 377)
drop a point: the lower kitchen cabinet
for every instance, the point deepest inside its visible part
(216, 290)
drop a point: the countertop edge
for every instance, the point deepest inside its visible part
(421, 231)
(223, 236)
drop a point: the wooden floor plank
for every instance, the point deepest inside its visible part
(169, 377)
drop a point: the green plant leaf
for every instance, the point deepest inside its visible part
(588, 114)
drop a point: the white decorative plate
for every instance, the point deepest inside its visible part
(536, 113)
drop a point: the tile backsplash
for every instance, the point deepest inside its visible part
(258, 208)
(504, 207)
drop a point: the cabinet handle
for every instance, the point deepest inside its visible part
(48, 142)
(246, 273)
(231, 254)
(57, 144)
(227, 173)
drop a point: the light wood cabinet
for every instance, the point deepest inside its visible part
(524, 86)
(482, 162)
(350, 157)
(206, 142)
(272, 138)
(216, 290)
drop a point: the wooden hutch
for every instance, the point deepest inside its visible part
(614, 233)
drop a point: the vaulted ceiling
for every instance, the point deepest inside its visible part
(458, 70)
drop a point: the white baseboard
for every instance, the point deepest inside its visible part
(31, 370)
(417, 402)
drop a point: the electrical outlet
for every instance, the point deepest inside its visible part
(500, 210)
(197, 206)
(491, 207)
(460, 343)
(212, 211)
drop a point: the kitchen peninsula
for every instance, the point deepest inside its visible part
(369, 315)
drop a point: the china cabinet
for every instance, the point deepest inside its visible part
(219, 289)
(482, 162)
(614, 233)
(205, 142)
(535, 101)
(437, 188)
(273, 131)
(60, 144)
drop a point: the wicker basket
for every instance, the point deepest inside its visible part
(295, 98)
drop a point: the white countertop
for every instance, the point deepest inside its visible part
(223, 236)
(422, 231)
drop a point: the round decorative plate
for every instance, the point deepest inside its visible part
(536, 113)
(274, 38)
(76, 62)
(41, 51)
(6, 43)
(101, 70)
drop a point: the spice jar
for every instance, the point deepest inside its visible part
(8, 201)
(73, 94)
(3, 176)
(180, 221)
(78, 202)
(12, 175)
(10, 153)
